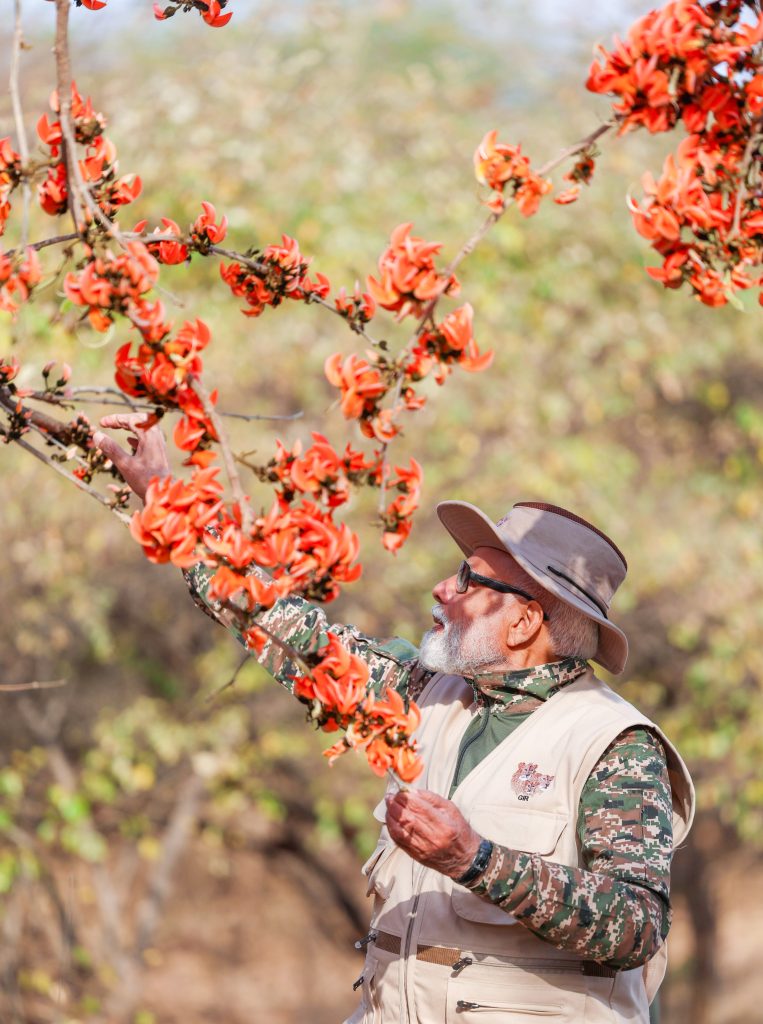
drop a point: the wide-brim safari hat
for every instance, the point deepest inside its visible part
(566, 555)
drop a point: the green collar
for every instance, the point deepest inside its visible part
(540, 681)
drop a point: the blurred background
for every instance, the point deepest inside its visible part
(174, 851)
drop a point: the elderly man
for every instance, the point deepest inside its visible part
(526, 874)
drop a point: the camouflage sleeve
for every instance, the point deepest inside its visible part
(303, 626)
(616, 910)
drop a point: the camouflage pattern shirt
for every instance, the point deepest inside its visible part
(616, 909)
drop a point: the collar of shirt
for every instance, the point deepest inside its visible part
(501, 691)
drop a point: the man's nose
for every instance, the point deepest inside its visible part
(444, 590)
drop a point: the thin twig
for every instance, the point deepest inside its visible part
(18, 117)
(77, 391)
(749, 152)
(35, 685)
(213, 696)
(72, 479)
(228, 457)
(64, 83)
(72, 236)
(52, 439)
(468, 247)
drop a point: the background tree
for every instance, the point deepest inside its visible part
(649, 402)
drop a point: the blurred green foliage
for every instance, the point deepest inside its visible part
(635, 406)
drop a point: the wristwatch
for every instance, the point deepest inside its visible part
(479, 864)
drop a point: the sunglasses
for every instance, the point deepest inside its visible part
(467, 575)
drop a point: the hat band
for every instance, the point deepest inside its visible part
(594, 600)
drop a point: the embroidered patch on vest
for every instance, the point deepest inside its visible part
(527, 780)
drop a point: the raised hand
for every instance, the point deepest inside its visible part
(148, 456)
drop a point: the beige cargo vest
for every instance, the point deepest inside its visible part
(426, 923)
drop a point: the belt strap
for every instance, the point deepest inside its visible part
(447, 956)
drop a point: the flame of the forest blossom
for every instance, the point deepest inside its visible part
(699, 65)
(397, 518)
(450, 343)
(211, 11)
(382, 730)
(18, 276)
(168, 252)
(408, 278)
(503, 167)
(279, 272)
(10, 176)
(336, 690)
(320, 471)
(98, 167)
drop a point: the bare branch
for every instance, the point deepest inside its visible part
(45, 242)
(249, 417)
(64, 83)
(18, 117)
(750, 149)
(35, 685)
(176, 835)
(213, 696)
(80, 484)
(227, 453)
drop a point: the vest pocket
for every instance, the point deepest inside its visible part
(368, 1012)
(477, 1005)
(508, 1010)
(378, 871)
(525, 831)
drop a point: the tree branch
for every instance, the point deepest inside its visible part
(18, 117)
(227, 453)
(176, 835)
(17, 687)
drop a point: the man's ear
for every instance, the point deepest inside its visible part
(524, 625)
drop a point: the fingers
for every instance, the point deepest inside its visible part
(112, 450)
(129, 421)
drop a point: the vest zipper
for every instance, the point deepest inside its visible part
(406, 947)
(462, 751)
(535, 1011)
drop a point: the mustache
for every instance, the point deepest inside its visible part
(439, 615)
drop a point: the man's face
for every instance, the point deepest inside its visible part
(469, 635)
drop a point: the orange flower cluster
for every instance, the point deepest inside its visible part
(18, 276)
(498, 165)
(202, 234)
(117, 284)
(321, 472)
(280, 273)
(357, 308)
(450, 343)
(336, 691)
(210, 10)
(397, 518)
(408, 278)
(163, 373)
(10, 176)
(364, 383)
(176, 513)
(98, 168)
(700, 65)
(18, 419)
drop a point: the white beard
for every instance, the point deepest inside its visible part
(459, 650)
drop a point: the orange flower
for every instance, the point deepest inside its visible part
(205, 231)
(408, 276)
(360, 383)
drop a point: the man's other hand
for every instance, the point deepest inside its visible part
(148, 457)
(432, 830)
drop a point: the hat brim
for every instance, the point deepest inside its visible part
(470, 528)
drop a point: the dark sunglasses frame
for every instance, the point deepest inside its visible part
(467, 575)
